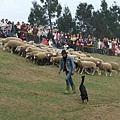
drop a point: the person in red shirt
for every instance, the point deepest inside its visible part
(44, 41)
(23, 37)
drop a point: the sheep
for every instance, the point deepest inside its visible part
(30, 55)
(70, 50)
(30, 49)
(78, 53)
(92, 59)
(107, 67)
(3, 41)
(12, 44)
(22, 49)
(51, 54)
(115, 66)
(39, 58)
(86, 65)
(56, 60)
(72, 56)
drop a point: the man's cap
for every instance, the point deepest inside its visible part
(63, 52)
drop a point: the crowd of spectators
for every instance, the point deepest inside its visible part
(56, 38)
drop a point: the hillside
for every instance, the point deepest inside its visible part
(32, 92)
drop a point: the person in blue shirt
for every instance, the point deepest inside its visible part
(68, 66)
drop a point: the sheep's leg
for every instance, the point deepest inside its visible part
(19, 53)
(105, 72)
(87, 71)
(34, 60)
(93, 72)
(22, 54)
(79, 70)
(11, 50)
(97, 69)
(110, 73)
(99, 72)
(82, 71)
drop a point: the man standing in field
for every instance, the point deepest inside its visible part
(67, 65)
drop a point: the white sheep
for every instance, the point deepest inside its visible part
(56, 60)
(106, 67)
(40, 57)
(3, 41)
(30, 49)
(86, 65)
(115, 66)
(22, 49)
(92, 59)
(30, 55)
(12, 44)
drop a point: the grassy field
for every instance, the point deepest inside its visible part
(32, 92)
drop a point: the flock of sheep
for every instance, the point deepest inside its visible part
(42, 54)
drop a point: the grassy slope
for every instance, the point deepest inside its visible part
(32, 92)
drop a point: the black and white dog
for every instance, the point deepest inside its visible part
(83, 91)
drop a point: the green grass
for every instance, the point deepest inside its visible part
(32, 92)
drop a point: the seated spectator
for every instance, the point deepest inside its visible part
(81, 41)
(44, 41)
(65, 46)
(89, 43)
(110, 44)
(105, 40)
(94, 42)
(9, 34)
(4, 33)
(99, 42)
(51, 43)
(102, 44)
(23, 37)
(77, 45)
(116, 49)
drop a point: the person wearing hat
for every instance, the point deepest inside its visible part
(68, 66)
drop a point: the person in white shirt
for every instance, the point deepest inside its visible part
(51, 43)
(110, 44)
(65, 46)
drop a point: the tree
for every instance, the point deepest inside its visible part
(106, 21)
(53, 9)
(65, 22)
(83, 17)
(37, 15)
(114, 20)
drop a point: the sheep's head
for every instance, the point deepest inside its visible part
(28, 49)
(76, 60)
(99, 61)
(18, 48)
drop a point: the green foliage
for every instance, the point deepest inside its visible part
(83, 17)
(101, 23)
(37, 15)
(65, 22)
(53, 10)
